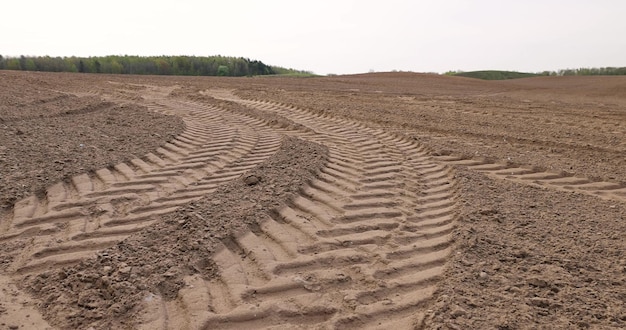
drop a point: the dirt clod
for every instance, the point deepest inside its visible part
(251, 180)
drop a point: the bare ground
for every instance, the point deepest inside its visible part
(366, 201)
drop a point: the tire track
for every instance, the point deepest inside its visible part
(92, 211)
(562, 181)
(362, 245)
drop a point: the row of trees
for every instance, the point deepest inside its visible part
(501, 75)
(155, 65)
(608, 71)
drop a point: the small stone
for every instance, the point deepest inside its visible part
(488, 212)
(103, 282)
(513, 289)
(107, 269)
(251, 180)
(538, 282)
(521, 254)
(125, 271)
(89, 299)
(458, 312)
(482, 275)
(453, 326)
(62, 274)
(540, 302)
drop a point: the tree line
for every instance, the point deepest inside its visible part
(152, 65)
(607, 71)
(502, 75)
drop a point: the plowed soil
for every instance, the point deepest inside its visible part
(368, 201)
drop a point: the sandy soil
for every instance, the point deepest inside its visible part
(366, 201)
(49, 134)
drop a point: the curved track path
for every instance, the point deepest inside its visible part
(362, 246)
(562, 181)
(96, 210)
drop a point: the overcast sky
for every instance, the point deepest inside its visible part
(330, 36)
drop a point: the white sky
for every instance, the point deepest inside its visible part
(330, 36)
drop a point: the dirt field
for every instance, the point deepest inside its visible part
(366, 201)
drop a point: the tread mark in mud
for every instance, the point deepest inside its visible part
(561, 181)
(362, 245)
(92, 211)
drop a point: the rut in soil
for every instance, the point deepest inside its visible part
(562, 181)
(363, 245)
(93, 211)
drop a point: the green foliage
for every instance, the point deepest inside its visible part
(297, 75)
(29, 65)
(607, 71)
(502, 75)
(81, 66)
(13, 64)
(222, 70)
(154, 65)
(292, 72)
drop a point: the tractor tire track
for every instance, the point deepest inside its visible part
(562, 181)
(93, 211)
(362, 245)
